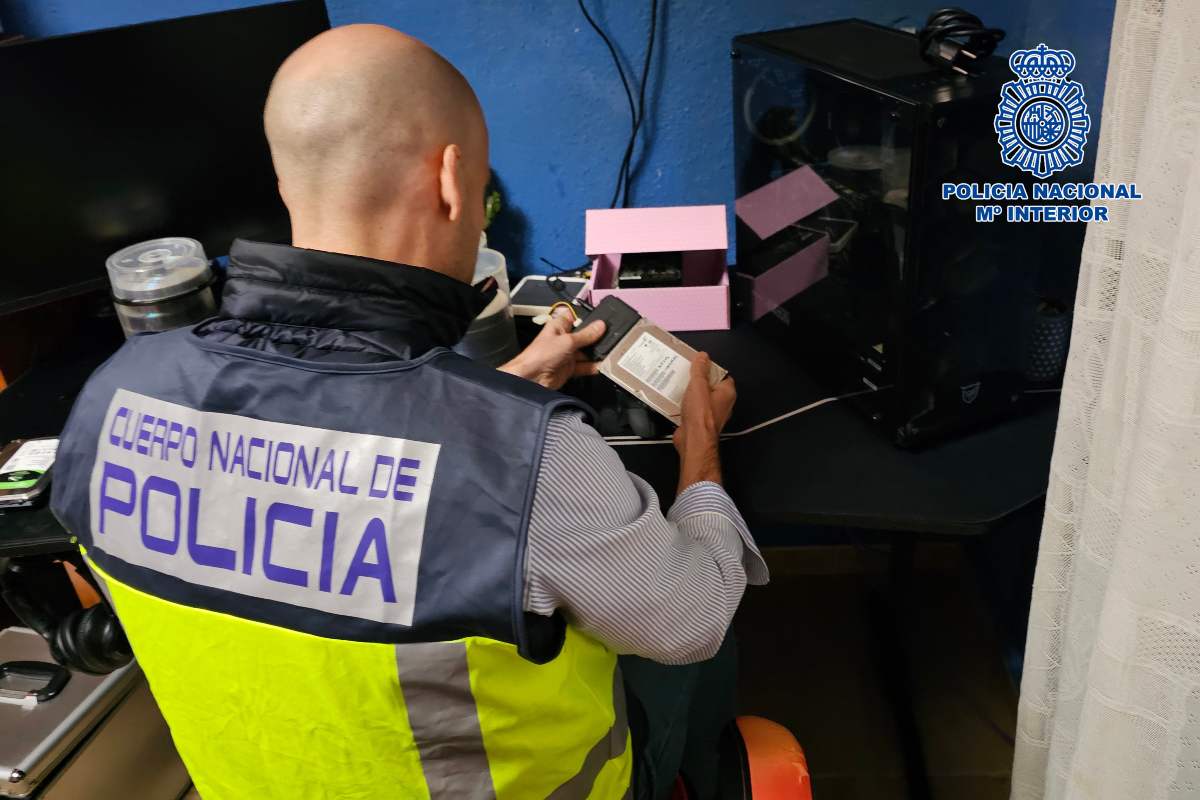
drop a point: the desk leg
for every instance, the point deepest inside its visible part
(891, 613)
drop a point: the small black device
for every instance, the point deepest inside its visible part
(945, 317)
(135, 133)
(618, 318)
(650, 270)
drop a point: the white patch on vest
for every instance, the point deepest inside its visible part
(202, 495)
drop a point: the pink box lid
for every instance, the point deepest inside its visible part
(654, 230)
(771, 208)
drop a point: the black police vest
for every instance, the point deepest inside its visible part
(383, 499)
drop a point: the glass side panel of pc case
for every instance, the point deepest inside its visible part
(954, 320)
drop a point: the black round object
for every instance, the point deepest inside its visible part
(91, 640)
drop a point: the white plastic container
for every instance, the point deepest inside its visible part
(492, 337)
(161, 284)
(491, 264)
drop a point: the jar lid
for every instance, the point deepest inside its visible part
(158, 269)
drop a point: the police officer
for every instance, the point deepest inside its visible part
(354, 564)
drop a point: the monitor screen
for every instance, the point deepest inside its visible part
(116, 136)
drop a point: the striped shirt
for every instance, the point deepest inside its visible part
(601, 551)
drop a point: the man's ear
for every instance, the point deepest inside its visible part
(451, 183)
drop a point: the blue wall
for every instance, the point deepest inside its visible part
(558, 117)
(1084, 27)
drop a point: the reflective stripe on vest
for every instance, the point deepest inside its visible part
(260, 711)
(446, 724)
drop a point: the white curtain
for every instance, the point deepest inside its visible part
(1110, 699)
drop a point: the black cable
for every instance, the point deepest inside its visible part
(636, 115)
(626, 164)
(955, 38)
(572, 271)
(554, 281)
(633, 116)
(623, 187)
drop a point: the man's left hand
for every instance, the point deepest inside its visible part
(554, 356)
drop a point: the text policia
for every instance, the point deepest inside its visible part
(1040, 211)
(323, 518)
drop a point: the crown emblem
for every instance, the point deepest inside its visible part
(1041, 64)
(1042, 121)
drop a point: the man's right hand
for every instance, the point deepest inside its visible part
(705, 410)
(555, 353)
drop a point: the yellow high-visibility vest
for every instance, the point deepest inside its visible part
(260, 712)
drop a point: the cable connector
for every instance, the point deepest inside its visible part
(957, 40)
(950, 54)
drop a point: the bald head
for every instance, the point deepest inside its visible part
(380, 147)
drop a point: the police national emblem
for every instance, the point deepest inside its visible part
(1042, 121)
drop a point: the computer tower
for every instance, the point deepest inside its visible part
(935, 322)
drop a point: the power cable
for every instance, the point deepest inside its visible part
(636, 114)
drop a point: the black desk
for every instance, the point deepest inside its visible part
(829, 466)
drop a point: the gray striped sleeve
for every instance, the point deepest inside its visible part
(600, 549)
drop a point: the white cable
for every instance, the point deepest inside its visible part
(630, 441)
(627, 441)
(782, 417)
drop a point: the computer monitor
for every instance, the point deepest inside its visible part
(116, 136)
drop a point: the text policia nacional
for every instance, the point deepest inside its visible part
(1041, 192)
(271, 506)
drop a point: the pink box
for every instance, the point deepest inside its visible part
(767, 211)
(698, 232)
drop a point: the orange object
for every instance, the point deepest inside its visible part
(87, 595)
(778, 769)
